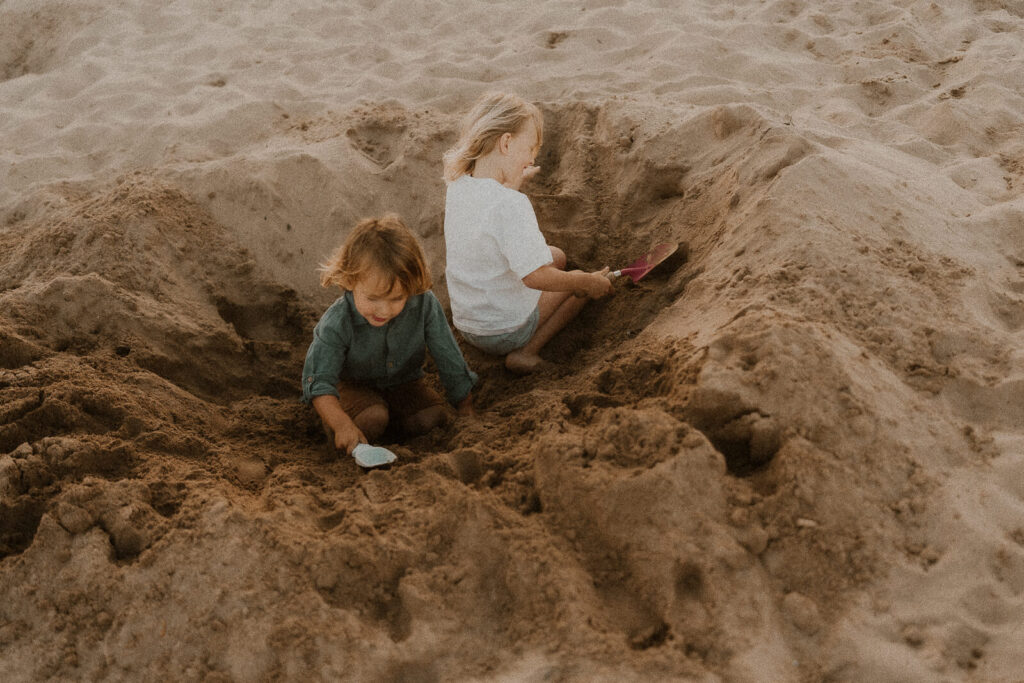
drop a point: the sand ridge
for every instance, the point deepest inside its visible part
(792, 453)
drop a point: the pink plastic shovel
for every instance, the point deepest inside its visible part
(646, 263)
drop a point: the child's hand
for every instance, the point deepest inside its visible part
(597, 283)
(465, 407)
(348, 436)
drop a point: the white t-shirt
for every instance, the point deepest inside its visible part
(492, 242)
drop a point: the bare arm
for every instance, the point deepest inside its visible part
(465, 407)
(346, 434)
(550, 279)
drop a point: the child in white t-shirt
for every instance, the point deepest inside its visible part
(509, 291)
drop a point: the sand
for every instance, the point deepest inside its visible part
(795, 452)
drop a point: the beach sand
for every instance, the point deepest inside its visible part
(795, 452)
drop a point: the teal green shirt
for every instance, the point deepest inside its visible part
(346, 346)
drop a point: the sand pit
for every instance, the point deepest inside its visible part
(794, 452)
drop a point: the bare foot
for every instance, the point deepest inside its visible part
(522, 363)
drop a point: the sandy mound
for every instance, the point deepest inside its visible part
(793, 453)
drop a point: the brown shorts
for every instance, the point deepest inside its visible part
(402, 401)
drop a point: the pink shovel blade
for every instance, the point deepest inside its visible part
(646, 263)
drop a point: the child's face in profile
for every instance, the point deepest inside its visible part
(376, 300)
(522, 150)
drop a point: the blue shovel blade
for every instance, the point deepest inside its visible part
(372, 456)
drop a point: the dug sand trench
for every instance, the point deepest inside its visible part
(791, 453)
(730, 454)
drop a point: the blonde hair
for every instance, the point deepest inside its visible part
(492, 116)
(383, 245)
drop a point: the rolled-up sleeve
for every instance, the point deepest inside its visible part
(324, 360)
(457, 378)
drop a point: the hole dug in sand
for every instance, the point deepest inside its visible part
(747, 439)
(629, 510)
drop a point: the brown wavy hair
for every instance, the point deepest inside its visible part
(384, 245)
(492, 116)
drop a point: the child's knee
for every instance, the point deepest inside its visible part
(558, 257)
(425, 420)
(373, 421)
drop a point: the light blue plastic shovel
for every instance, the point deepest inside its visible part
(372, 456)
(365, 455)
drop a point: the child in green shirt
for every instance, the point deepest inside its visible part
(364, 367)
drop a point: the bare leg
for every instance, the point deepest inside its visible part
(372, 421)
(425, 420)
(562, 308)
(556, 310)
(558, 259)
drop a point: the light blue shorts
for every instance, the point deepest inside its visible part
(506, 342)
